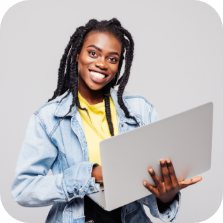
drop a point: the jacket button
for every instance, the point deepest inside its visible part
(70, 194)
(168, 216)
(91, 189)
(122, 125)
(77, 192)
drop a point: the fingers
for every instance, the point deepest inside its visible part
(156, 180)
(152, 189)
(194, 180)
(172, 173)
(166, 176)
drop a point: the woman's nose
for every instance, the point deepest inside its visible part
(101, 64)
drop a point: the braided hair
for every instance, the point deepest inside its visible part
(68, 70)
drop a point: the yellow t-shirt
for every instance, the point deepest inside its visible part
(96, 126)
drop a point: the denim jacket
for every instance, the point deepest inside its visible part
(61, 146)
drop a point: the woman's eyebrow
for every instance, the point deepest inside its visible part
(101, 50)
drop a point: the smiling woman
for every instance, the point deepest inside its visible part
(64, 134)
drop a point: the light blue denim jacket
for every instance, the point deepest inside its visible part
(61, 146)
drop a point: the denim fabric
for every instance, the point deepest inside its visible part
(61, 146)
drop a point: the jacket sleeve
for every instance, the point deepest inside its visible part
(32, 187)
(169, 215)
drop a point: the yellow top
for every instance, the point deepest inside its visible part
(96, 126)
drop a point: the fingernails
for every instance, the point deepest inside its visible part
(144, 183)
(168, 160)
(162, 161)
(150, 170)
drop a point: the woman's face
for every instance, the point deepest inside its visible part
(98, 60)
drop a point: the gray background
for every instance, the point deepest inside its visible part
(177, 66)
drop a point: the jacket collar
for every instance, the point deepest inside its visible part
(64, 106)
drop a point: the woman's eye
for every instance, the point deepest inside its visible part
(92, 53)
(113, 59)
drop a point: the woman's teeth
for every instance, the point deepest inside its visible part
(97, 75)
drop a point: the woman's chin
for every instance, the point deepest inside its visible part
(95, 87)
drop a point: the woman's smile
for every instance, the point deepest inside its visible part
(97, 77)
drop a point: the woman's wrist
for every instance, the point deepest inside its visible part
(164, 206)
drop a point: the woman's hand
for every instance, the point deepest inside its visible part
(166, 191)
(97, 174)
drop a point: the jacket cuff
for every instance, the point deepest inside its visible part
(170, 214)
(77, 181)
(164, 206)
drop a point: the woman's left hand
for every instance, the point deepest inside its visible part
(166, 191)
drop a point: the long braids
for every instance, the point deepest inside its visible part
(68, 70)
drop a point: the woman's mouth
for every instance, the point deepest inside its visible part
(97, 77)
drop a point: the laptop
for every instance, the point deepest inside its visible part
(185, 138)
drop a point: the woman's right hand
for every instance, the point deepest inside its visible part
(97, 174)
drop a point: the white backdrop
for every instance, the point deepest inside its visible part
(177, 66)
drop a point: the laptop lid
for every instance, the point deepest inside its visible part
(185, 138)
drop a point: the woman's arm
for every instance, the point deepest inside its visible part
(31, 186)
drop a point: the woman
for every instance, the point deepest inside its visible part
(64, 134)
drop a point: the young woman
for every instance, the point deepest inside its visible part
(64, 134)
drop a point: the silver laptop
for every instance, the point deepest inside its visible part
(185, 138)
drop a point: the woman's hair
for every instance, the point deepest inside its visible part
(68, 70)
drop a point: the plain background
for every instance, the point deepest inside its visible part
(178, 50)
